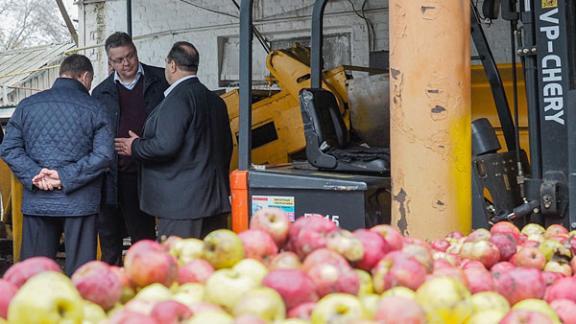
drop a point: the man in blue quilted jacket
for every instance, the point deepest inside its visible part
(59, 143)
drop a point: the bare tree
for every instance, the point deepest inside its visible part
(29, 23)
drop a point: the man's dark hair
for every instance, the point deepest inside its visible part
(75, 65)
(118, 39)
(185, 55)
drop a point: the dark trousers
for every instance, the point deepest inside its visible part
(186, 228)
(127, 218)
(41, 237)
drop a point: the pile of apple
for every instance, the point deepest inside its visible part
(310, 271)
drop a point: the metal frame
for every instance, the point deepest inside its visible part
(496, 85)
(245, 114)
(317, 43)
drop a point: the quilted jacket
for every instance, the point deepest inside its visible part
(62, 128)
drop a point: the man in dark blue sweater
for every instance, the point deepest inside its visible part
(129, 94)
(59, 143)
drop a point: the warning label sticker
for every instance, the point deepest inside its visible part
(549, 3)
(286, 203)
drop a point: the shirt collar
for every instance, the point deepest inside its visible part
(167, 92)
(130, 85)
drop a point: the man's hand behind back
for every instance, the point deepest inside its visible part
(47, 180)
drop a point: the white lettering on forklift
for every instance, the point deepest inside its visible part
(552, 90)
(334, 218)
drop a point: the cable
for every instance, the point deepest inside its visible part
(261, 39)
(369, 26)
(208, 9)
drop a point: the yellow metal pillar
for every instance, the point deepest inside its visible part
(17, 191)
(430, 116)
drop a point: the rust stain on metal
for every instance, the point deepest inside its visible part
(402, 223)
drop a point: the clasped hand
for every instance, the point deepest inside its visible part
(123, 145)
(47, 180)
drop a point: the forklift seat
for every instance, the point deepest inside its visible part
(328, 145)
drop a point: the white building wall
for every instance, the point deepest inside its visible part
(157, 24)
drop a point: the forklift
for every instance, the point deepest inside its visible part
(343, 181)
(540, 191)
(505, 186)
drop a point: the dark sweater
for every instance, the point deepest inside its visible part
(132, 118)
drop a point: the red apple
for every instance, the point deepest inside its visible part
(330, 273)
(481, 250)
(258, 244)
(375, 248)
(440, 245)
(398, 309)
(506, 245)
(128, 290)
(147, 262)
(506, 228)
(421, 253)
(550, 277)
(273, 221)
(555, 229)
(7, 292)
(529, 257)
(249, 319)
(455, 235)
(398, 269)
(295, 286)
(309, 233)
(480, 234)
(20, 272)
(566, 310)
(479, 279)
(302, 311)
(98, 283)
(468, 263)
(131, 317)
(170, 312)
(195, 271)
(452, 272)
(520, 283)
(390, 235)
(285, 260)
(522, 316)
(564, 288)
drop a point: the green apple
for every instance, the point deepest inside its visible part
(211, 318)
(226, 287)
(366, 284)
(445, 300)
(252, 268)
(370, 303)
(551, 248)
(155, 292)
(186, 250)
(189, 294)
(264, 303)
(223, 249)
(486, 317)
(93, 314)
(538, 305)
(400, 291)
(338, 308)
(489, 300)
(48, 297)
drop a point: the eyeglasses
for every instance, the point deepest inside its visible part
(129, 57)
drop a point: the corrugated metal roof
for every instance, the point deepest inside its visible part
(16, 66)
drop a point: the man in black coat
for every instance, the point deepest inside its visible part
(130, 93)
(60, 138)
(184, 153)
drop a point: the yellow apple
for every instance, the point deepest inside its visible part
(189, 294)
(489, 300)
(252, 268)
(486, 317)
(366, 285)
(93, 314)
(445, 300)
(48, 297)
(264, 303)
(338, 308)
(400, 291)
(211, 317)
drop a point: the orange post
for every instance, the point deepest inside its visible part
(239, 188)
(430, 117)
